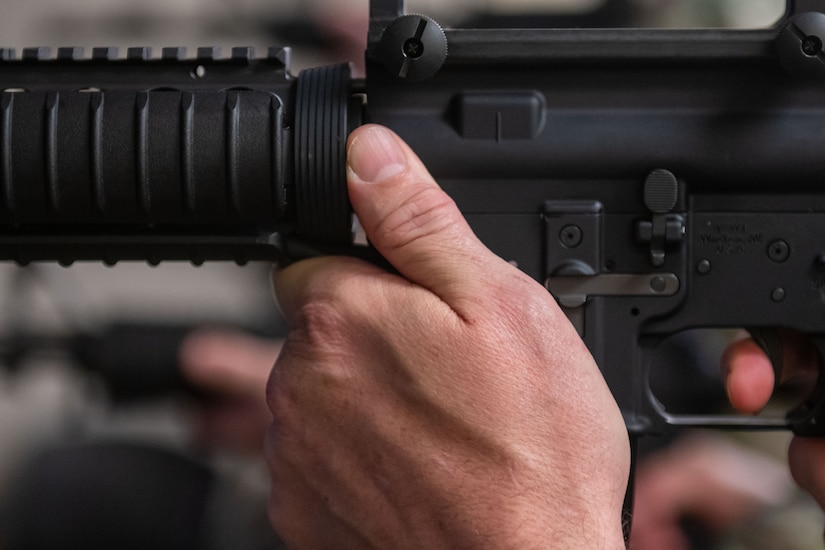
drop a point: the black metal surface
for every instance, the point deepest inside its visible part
(141, 158)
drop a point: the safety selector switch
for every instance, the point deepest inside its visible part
(665, 230)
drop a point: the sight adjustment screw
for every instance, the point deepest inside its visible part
(800, 45)
(414, 47)
(811, 46)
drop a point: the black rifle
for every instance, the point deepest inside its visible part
(653, 180)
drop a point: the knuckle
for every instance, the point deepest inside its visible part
(426, 211)
(277, 400)
(530, 314)
(321, 351)
(335, 313)
(526, 301)
(321, 326)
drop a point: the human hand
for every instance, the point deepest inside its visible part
(750, 380)
(450, 405)
(232, 367)
(710, 479)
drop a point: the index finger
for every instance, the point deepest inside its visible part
(750, 377)
(320, 279)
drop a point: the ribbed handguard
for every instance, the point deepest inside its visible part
(142, 158)
(153, 159)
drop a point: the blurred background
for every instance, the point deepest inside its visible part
(85, 462)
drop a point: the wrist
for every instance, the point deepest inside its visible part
(570, 534)
(555, 525)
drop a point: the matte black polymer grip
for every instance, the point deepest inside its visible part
(155, 159)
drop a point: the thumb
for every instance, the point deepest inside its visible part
(411, 221)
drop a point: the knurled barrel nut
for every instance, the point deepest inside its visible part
(322, 205)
